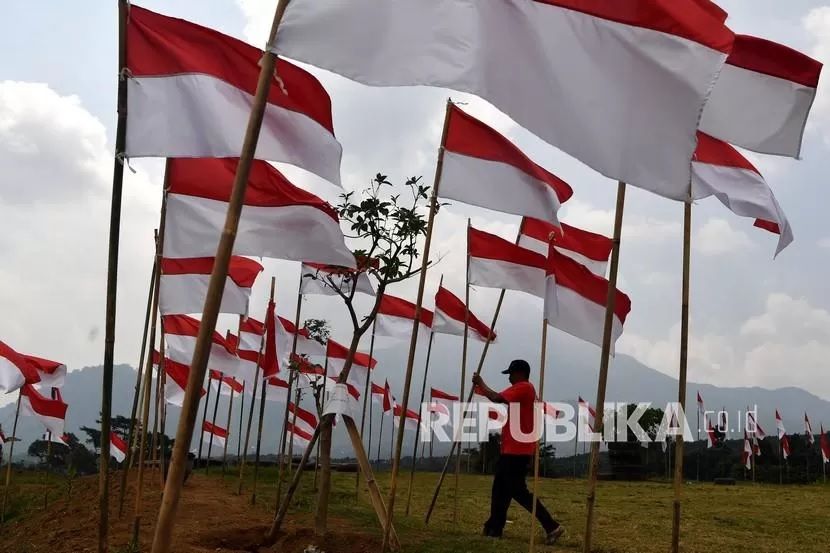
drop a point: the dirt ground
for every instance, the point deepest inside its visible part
(211, 518)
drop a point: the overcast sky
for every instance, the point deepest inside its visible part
(755, 321)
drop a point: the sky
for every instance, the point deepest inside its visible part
(755, 321)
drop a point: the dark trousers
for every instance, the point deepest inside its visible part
(509, 484)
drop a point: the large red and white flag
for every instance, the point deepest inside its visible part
(175, 382)
(216, 432)
(299, 437)
(118, 447)
(588, 248)
(361, 364)
(312, 373)
(410, 421)
(711, 436)
(378, 393)
(306, 345)
(483, 168)
(575, 301)
(15, 370)
(181, 332)
(779, 424)
(190, 90)
(251, 332)
(808, 430)
(51, 412)
(52, 373)
(325, 280)
(441, 402)
(305, 420)
(277, 390)
(763, 97)
(396, 315)
(184, 283)
(617, 85)
(278, 219)
(450, 315)
(719, 170)
(497, 263)
(785, 447)
(755, 428)
(824, 444)
(225, 385)
(746, 454)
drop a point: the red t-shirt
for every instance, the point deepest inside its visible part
(524, 394)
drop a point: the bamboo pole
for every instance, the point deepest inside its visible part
(418, 430)
(134, 411)
(156, 408)
(413, 344)
(366, 393)
(681, 383)
(204, 418)
(541, 395)
(602, 382)
(112, 282)
(228, 426)
(291, 382)
(297, 398)
(371, 408)
(262, 399)
(9, 462)
(241, 423)
(215, 411)
(162, 409)
(172, 491)
(257, 378)
(380, 435)
(319, 402)
(463, 377)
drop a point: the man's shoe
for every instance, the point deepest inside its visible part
(554, 535)
(490, 533)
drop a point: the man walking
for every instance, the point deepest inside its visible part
(516, 456)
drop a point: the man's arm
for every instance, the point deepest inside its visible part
(490, 394)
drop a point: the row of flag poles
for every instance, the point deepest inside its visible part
(178, 100)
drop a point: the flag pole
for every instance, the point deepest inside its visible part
(464, 347)
(228, 426)
(319, 402)
(380, 436)
(167, 513)
(112, 281)
(257, 378)
(602, 382)
(366, 391)
(162, 408)
(215, 411)
(139, 372)
(148, 369)
(418, 430)
(291, 382)
(241, 423)
(780, 461)
(9, 462)
(681, 383)
(698, 439)
(413, 344)
(541, 394)
(262, 406)
(204, 418)
(371, 408)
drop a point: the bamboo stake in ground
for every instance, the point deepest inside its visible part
(162, 410)
(463, 378)
(112, 283)
(262, 400)
(202, 434)
(413, 344)
(9, 462)
(228, 426)
(418, 429)
(380, 437)
(541, 395)
(215, 411)
(257, 378)
(602, 382)
(157, 407)
(125, 469)
(291, 382)
(366, 394)
(241, 421)
(681, 381)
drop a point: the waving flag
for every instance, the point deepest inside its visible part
(225, 384)
(719, 170)
(278, 219)
(785, 447)
(51, 412)
(808, 430)
(184, 283)
(586, 248)
(763, 97)
(181, 332)
(586, 413)
(361, 364)
(388, 398)
(298, 436)
(756, 431)
(779, 424)
(450, 314)
(176, 382)
(270, 365)
(15, 370)
(395, 317)
(824, 444)
(482, 168)
(312, 373)
(306, 420)
(190, 90)
(52, 373)
(496, 263)
(251, 332)
(711, 436)
(318, 279)
(411, 419)
(610, 83)
(378, 393)
(575, 300)
(700, 407)
(746, 455)
(119, 448)
(219, 434)
(277, 389)
(306, 345)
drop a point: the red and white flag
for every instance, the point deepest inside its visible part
(378, 393)
(219, 434)
(52, 373)
(483, 168)
(311, 372)
(15, 370)
(551, 412)
(247, 361)
(175, 382)
(719, 170)
(497, 263)
(51, 412)
(824, 444)
(225, 385)
(298, 436)
(617, 85)
(746, 455)
(755, 428)
(779, 424)
(190, 90)
(306, 345)
(586, 413)
(180, 333)
(361, 364)
(411, 419)
(396, 315)
(763, 97)
(305, 420)
(325, 280)
(575, 301)
(450, 315)
(701, 409)
(785, 447)
(184, 283)
(587, 248)
(251, 332)
(711, 436)
(277, 390)
(118, 447)
(278, 219)
(441, 402)
(808, 430)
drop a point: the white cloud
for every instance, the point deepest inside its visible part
(824, 243)
(717, 237)
(817, 25)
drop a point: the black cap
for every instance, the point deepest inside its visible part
(517, 366)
